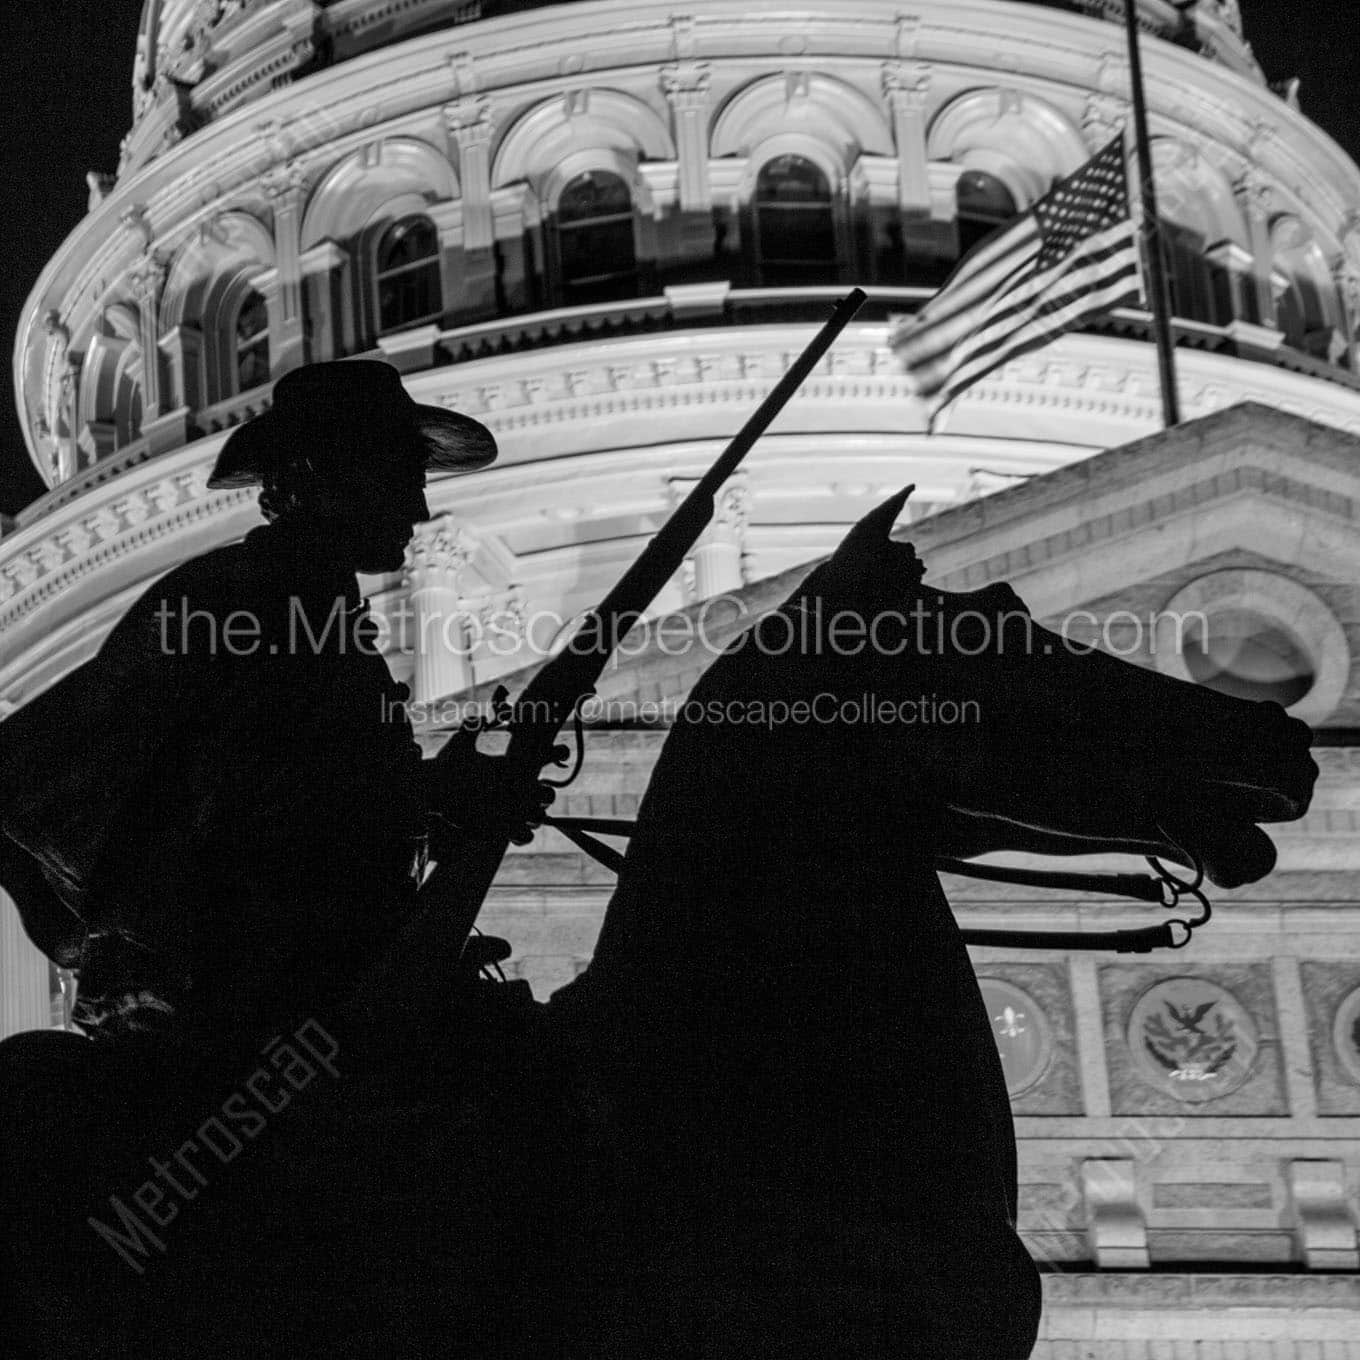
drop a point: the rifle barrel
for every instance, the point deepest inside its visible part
(552, 695)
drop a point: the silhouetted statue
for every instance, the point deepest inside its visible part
(769, 1120)
(228, 804)
(221, 819)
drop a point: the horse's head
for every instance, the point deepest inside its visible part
(1016, 737)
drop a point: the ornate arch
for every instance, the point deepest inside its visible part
(1195, 194)
(353, 192)
(610, 159)
(1023, 140)
(233, 241)
(821, 107)
(204, 285)
(825, 156)
(597, 120)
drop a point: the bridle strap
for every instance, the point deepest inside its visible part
(1141, 941)
(1139, 887)
(1161, 887)
(577, 830)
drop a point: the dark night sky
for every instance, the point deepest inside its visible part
(67, 68)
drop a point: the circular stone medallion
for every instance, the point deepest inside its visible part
(1021, 1031)
(1192, 1039)
(1346, 1035)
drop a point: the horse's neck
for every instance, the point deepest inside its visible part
(735, 833)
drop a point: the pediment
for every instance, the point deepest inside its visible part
(1249, 479)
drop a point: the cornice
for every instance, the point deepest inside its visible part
(1202, 1292)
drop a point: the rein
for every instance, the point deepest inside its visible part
(1162, 887)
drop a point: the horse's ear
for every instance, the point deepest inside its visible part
(876, 527)
(868, 556)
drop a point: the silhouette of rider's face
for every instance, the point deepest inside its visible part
(368, 513)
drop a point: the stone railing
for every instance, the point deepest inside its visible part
(234, 410)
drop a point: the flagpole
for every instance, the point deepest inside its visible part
(1150, 230)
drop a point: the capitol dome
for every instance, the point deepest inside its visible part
(604, 229)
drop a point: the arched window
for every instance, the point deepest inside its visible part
(1201, 290)
(795, 227)
(252, 342)
(596, 252)
(409, 290)
(1239, 652)
(983, 203)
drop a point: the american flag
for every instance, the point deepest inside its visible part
(1073, 253)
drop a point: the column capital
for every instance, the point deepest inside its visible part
(732, 511)
(1347, 277)
(906, 84)
(686, 83)
(283, 183)
(507, 610)
(70, 376)
(731, 506)
(57, 330)
(1105, 116)
(438, 554)
(1256, 193)
(147, 277)
(469, 123)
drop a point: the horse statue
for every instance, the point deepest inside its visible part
(769, 1119)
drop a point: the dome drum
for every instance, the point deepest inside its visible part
(882, 171)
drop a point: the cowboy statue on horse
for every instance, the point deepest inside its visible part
(769, 1119)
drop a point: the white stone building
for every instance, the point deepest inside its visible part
(604, 228)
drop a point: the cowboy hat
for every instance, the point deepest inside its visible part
(346, 395)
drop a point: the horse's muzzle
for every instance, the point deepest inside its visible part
(1214, 813)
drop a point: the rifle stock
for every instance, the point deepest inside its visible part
(458, 885)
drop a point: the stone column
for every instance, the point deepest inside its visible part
(329, 308)
(1256, 197)
(717, 557)
(25, 989)
(282, 287)
(501, 643)
(718, 554)
(1237, 264)
(147, 279)
(438, 555)
(65, 411)
(67, 438)
(905, 85)
(164, 424)
(470, 126)
(98, 439)
(1348, 284)
(448, 218)
(686, 87)
(518, 286)
(182, 347)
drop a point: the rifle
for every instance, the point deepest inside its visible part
(459, 883)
